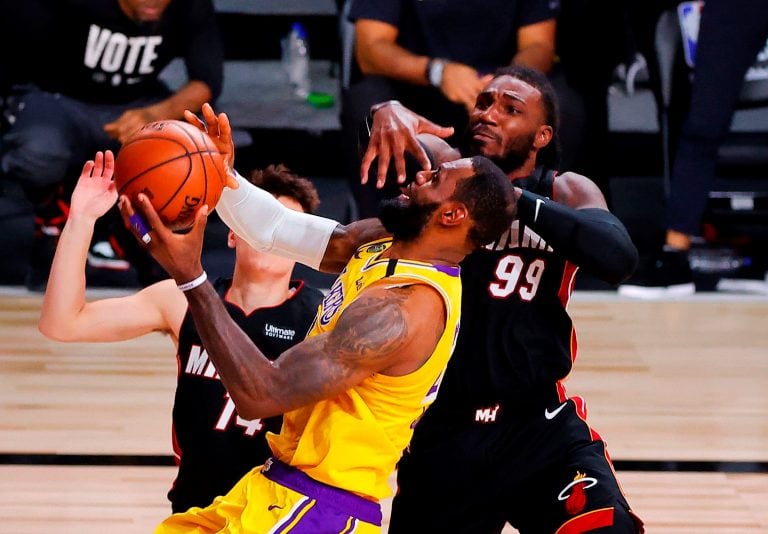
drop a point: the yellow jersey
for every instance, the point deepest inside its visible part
(353, 440)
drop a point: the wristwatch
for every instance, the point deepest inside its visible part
(435, 69)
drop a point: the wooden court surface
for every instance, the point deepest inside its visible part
(679, 390)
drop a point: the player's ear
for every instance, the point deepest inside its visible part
(231, 239)
(453, 213)
(543, 136)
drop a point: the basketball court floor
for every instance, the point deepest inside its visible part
(679, 390)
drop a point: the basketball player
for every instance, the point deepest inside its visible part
(503, 441)
(520, 448)
(371, 364)
(213, 445)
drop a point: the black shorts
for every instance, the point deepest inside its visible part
(473, 478)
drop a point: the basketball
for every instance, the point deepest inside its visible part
(176, 165)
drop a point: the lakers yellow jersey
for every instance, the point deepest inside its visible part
(353, 441)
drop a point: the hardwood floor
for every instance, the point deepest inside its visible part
(679, 390)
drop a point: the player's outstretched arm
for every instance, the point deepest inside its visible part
(578, 224)
(65, 313)
(267, 225)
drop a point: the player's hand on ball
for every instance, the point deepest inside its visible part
(179, 254)
(220, 131)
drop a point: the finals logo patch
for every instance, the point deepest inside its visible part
(373, 249)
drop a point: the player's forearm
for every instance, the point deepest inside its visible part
(384, 58)
(346, 240)
(247, 374)
(591, 238)
(266, 225)
(65, 294)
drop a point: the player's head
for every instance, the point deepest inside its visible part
(516, 119)
(282, 183)
(291, 190)
(144, 11)
(469, 194)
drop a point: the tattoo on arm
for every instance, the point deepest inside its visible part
(370, 336)
(373, 328)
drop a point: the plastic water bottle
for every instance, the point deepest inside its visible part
(295, 48)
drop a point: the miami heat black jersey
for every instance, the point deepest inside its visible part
(214, 447)
(516, 340)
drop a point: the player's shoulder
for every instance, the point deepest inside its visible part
(574, 189)
(572, 178)
(420, 297)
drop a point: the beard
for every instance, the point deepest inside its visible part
(515, 155)
(404, 220)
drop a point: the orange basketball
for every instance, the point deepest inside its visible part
(176, 165)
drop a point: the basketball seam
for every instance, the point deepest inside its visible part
(202, 137)
(148, 169)
(202, 145)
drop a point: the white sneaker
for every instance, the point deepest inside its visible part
(102, 256)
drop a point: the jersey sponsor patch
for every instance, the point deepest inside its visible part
(279, 332)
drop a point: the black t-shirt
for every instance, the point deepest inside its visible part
(213, 446)
(480, 33)
(92, 51)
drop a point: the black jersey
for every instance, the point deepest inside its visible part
(516, 340)
(213, 446)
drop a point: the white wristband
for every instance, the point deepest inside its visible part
(192, 284)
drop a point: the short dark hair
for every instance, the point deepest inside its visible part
(489, 196)
(550, 155)
(280, 181)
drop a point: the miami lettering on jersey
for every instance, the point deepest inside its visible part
(520, 273)
(514, 238)
(199, 364)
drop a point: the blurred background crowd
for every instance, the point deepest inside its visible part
(664, 104)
